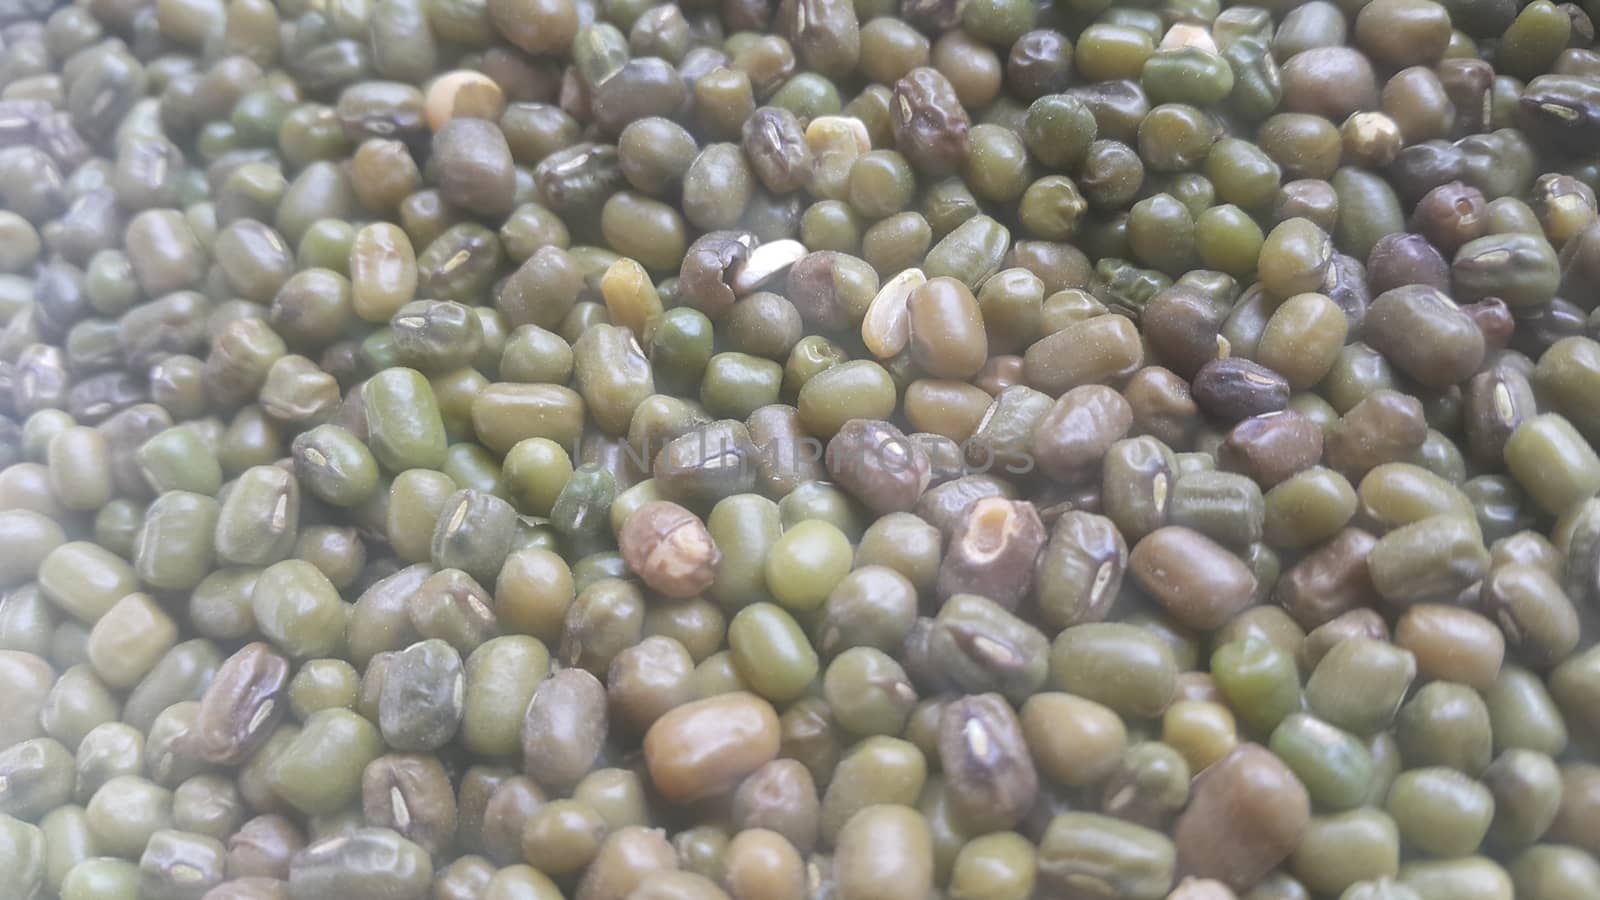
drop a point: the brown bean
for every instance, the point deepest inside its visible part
(1452, 644)
(780, 796)
(1330, 580)
(647, 679)
(1329, 81)
(999, 373)
(670, 548)
(1385, 426)
(511, 805)
(1362, 622)
(1425, 334)
(1245, 815)
(763, 864)
(703, 748)
(1198, 581)
(627, 859)
(948, 338)
(1162, 406)
(1183, 328)
(475, 166)
(564, 727)
(1270, 448)
(1080, 427)
(410, 794)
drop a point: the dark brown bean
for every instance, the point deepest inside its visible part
(1329, 581)
(411, 795)
(1494, 403)
(1451, 215)
(262, 847)
(930, 124)
(991, 551)
(1234, 389)
(830, 290)
(1385, 426)
(708, 267)
(1183, 329)
(1272, 447)
(776, 146)
(878, 464)
(989, 775)
(241, 706)
(1403, 258)
(1493, 318)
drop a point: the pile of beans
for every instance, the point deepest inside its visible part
(799, 450)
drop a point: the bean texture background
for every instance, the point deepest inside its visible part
(799, 450)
